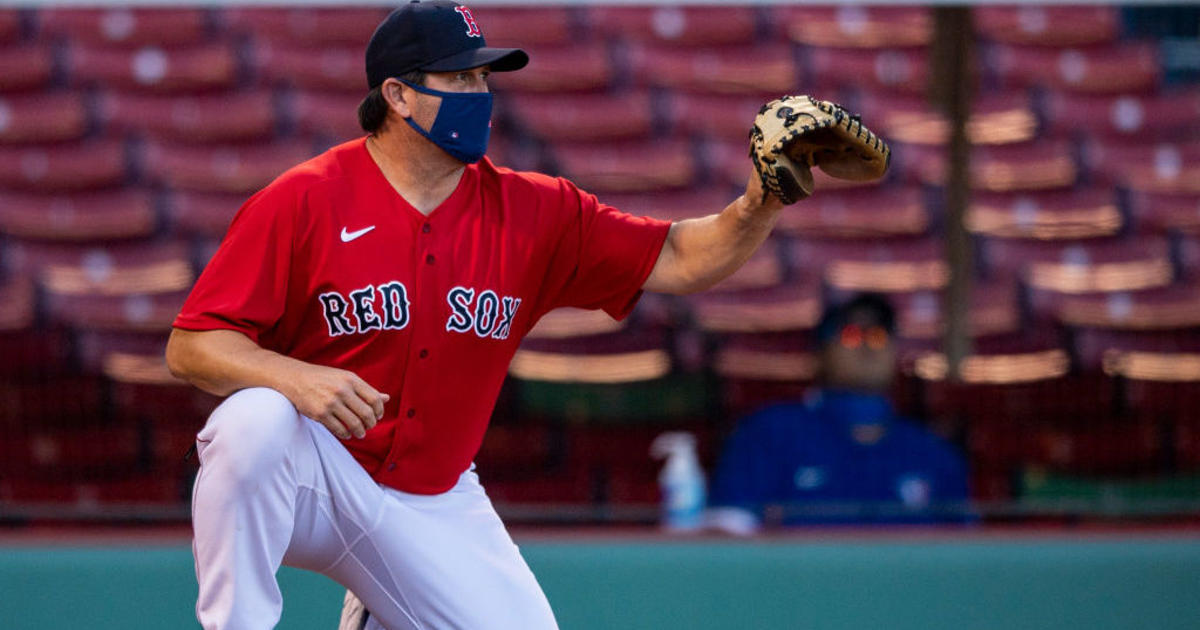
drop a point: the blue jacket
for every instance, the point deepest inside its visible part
(840, 457)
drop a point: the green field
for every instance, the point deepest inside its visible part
(971, 583)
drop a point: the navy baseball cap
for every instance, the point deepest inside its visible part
(434, 36)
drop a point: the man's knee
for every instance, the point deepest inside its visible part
(249, 433)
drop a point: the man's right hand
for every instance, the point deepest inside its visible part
(223, 361)
(336, 398)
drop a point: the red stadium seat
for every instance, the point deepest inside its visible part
(16, 306)
(127, 27)
(95, 216)
(1104, 264)
(307, 26)
(520, 27)
(72, 452)
(563, 487)
(132, 269)
(1045, 215)
(1166, 212)
(136, 312)
(762, 368)
(610, 358)
(574, 322)
(172, 69)
(582, 67)
(25, 67)
(858, 213)
(885, 265)
(1048, 25)
(1165, 167)
(1120, 69)
(10, 25)
(897, 70)
(626, 166)
(513, 449)
(1163, 356)
(1010, 385)
(332, 115)
(223, 168)
(226, 117)
(795, 305)
(1003, 118)
(1035, 165)
(583, 116)
(775, 356)
(1189, 255)
(680, 25)
(31, 354)
(43, 117)
(313, 67)
(727, 117)
(96, 347)
(203, 214)
(993, 310)
(857, 26)
(1158, 372)
(57, 401)
(1162, 116)
(1171, 307)
(131, 487)
(672, 205)
(49, 168)
(734, 70)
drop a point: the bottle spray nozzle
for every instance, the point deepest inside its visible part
(672, 443)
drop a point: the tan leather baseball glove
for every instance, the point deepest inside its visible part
(795, 133)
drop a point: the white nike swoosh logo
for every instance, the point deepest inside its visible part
(350, 236)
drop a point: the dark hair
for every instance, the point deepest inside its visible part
(836, 315)
(372, 111)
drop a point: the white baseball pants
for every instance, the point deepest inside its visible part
(276, 487)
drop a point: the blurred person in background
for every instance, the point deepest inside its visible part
(842, 455)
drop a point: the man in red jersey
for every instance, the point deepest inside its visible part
(361, 314)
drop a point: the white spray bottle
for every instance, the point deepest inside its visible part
(684, 489)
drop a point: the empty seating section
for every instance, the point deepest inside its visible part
(130, 137)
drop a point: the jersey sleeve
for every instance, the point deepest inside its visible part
(603, 256)
(244, 286)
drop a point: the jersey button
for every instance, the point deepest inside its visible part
(423, 354)
(429, 259)
(391, 466)
(411, 413)
(426, 228)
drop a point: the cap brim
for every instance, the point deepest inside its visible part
(500, 60)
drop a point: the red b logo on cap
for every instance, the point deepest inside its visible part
(472, 27)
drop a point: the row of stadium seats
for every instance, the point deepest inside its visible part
(846, 26)
(129, 137)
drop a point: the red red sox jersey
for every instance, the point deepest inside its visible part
(329, 265)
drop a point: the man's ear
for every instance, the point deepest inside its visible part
(393, 92)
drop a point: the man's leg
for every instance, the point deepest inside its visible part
(442, 562)
(243, 508)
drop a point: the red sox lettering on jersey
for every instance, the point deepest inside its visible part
(489, 316)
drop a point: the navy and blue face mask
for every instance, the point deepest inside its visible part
(463, 123)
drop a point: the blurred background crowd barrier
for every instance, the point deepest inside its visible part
(129, 137)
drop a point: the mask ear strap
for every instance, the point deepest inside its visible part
(420, 88)
(409, 120)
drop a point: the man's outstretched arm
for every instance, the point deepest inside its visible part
(701, 252)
